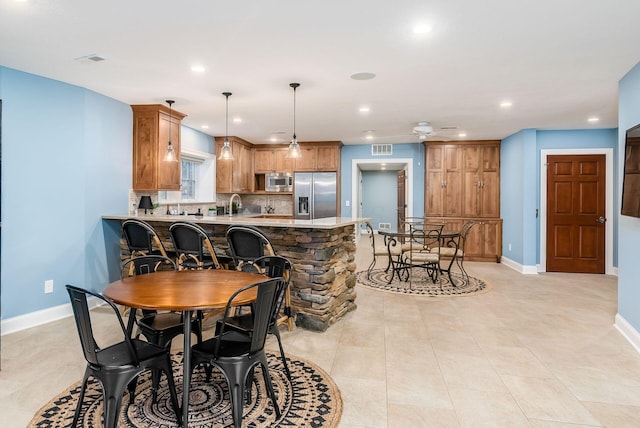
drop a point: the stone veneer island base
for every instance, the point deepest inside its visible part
(322, 253)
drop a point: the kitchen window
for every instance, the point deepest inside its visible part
(189, 178)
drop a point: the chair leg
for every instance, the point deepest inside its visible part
(76, 415)
(276, 332)
(113, 389)
(269, 385)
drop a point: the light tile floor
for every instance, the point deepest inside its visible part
(536, 351)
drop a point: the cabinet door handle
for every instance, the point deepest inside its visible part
(479, 184)
(444, 183)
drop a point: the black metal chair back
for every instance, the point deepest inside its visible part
(190, 241)
(248, 243)
(141, 238)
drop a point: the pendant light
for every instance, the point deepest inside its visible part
(294, 148)
(225, 152)
(170, 156)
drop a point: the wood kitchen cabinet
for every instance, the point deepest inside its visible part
(272, 160)
(443, 176)
(462, 183)
(150, 139)
(484, 242)
(235, 176)
(319, 156)
(481, 180)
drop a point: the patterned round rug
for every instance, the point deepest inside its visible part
(419, 283)
(311, 400)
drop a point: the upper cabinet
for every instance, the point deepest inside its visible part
(462, 179)
(443, 194)
(324, 156)
(481, 181)
(271, 160)
(150, 138)
(235, 176)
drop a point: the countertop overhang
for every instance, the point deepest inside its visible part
(320, 223)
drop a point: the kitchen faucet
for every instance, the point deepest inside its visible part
(235, 195)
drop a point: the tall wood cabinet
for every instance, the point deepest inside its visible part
(150, 139)
(235, 176)
(462, 183)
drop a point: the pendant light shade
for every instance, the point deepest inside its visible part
(294, 151)
(225, 152)
(171, 155)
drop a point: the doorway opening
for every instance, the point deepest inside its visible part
(391, 164)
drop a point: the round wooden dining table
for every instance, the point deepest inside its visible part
(186, 291)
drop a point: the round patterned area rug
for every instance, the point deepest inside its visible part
(420, 284)
(311, 400)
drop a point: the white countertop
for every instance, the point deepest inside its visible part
(247, 219)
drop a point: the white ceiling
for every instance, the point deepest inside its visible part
(557, 61)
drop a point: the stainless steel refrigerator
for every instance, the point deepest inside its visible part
(314, 195)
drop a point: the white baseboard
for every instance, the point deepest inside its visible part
(628, 331)
(527, 270)
(34, 319)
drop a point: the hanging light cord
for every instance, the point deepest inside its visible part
(294, 113)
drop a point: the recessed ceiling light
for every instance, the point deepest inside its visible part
(369, 137)
(363, 76)
(237, 120)
(198, 69)
(593, 119)
(462, 134)
(506, 104)
(205, 126)
(422, 29)
(364, 109)
(273, 139)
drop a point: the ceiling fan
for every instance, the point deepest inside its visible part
(423, 130)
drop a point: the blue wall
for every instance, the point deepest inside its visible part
(66, 160)
(380, 197)
(413, 151)
(520, 184)
(629, 227)
(196, 140)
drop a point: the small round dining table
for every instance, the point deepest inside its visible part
(186, 291)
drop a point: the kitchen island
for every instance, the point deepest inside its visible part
(322, 252)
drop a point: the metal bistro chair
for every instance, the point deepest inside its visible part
(422, 249)
(142, 239)
(380, 250)
(117, 365)
(247, 244)
(158, 328)
(453, 249)
(193, 247)
(237, 359)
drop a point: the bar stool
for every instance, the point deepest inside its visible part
(193, 247)
(142, 239)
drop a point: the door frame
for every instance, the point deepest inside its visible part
(608, 251)
(356, 177)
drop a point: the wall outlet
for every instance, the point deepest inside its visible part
(509, 247)
(48, 286)
(347, 203)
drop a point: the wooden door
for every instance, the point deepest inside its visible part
(452, 181)
(282, 163)
(327, 158)
(264, 161)
(434, 181)
(308, 161)
(471, 204)
(490, 181)
(575, 213)
(402, 203)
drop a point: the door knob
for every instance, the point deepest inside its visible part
(601, 220)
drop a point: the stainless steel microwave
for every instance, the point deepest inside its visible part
(278, 182)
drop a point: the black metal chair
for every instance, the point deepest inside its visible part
(117, 365)
(193, 247)
(142, 239)
(273, 267)
(453, 249)
(237, 358)
(158, 327)
(248, 243)
(423, 249)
